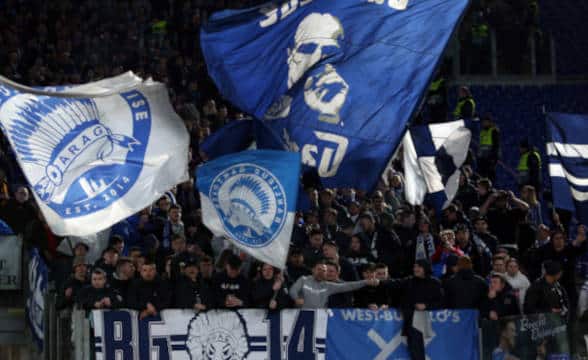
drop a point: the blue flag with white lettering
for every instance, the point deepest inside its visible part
(250, 198)
(567, 149)
(337, 81)
(367, 334)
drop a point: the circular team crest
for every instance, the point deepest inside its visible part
(77, 163)
(217, 335)
(250, 202)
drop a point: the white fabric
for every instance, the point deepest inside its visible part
(521, 283)
(10, 264)
(165, 163)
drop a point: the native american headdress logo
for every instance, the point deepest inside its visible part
(64, 137)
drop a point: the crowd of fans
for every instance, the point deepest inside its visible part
(489, 250)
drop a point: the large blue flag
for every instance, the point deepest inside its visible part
(567, 149)
(335, 80)
(250, 197)
(233, 137)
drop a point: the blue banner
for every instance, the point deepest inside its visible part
(337, 81)
(35, 306)
(367, 334)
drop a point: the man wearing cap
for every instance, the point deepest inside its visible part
(190, 291)
(547, 295)
(74, 284)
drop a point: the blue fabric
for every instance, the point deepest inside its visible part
(5, 229)
(569, 129)
(352, 332)
(335, 80)
(35, 306)
(233, 137)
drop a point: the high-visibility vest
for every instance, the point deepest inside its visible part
(435, 85)
(486, 141)
(159, 27)
(523, 167)
(461, 104)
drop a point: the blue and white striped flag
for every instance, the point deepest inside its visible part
(250, 198)
(433, 155)
(567, 149)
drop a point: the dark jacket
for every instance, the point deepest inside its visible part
(294, 272)
(465, 290)
(505, 303)
(542, 297)
(189, 293)
(76, 286)
(88, 296)
(387, 244)
(224, 285)
(341, 300)
(156, 292)
(121, 287)
(372, 295)
(415, 290)
(263, 292)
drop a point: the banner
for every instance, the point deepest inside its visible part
(215, 334)
(367, 334)
(95, 160)
(337, 81)
(541, 336)
(250, 198)
(10, 262)
(35, 306)
(289, 334)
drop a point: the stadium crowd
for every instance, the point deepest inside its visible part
(489, 250)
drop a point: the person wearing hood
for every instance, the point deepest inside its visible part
(465, 290)
(502, 301)
(268, 290)
(420, 292)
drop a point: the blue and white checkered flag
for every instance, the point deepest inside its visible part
(250, 198)
(433, 155)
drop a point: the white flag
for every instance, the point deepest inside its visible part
(97, 153)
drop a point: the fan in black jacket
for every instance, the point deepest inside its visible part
(191, 292)
(98, 295)
(73, 285)
(149, 294)
(501, 301)
(420, 292)
(268, 290)
(465, 290)
(122, 278)
(547, 295)
(231, 289)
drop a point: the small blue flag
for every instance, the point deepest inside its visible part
(250, 198)
(336, 81)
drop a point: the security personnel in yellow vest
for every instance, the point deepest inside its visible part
(529, 168)
(466, 106)
(489, 148)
